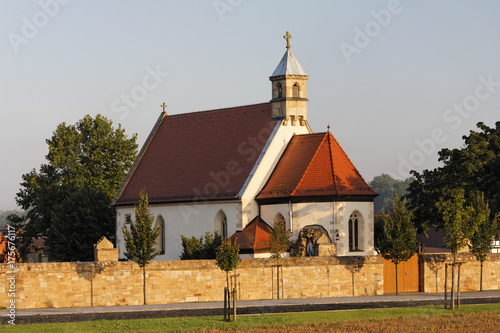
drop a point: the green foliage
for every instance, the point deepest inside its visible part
(459, 225)
(378, 230)
(279, 239)
(89, 157)
(90, 216)
(4, 217)
(399, 237)
(481, 239)
(388, 189)
(227, 257)
(200, 248)
(140, 240)
(474, 167)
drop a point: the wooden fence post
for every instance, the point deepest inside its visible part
(234, 304)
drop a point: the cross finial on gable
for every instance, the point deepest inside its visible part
(287, 37)
(163, 106)
(328, 127)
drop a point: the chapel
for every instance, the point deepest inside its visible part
(238, 170)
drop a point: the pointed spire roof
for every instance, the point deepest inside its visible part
(315, 165)
(289, 65)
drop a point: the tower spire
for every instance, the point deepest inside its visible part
(289, 88)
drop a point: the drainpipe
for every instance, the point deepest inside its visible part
(290, 207)
(335, 228)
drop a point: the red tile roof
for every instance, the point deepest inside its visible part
(314, 165)
(199, 156)
(255, 236)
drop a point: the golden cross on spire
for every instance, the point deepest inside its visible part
(287, 37)
(164, 106)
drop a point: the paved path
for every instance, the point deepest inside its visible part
(244, 307)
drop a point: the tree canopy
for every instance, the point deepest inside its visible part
(279, 239)
(140, 240)
(398, 241)
(457, 218)
(486, 227)
(89, 158)
(473, 167)
(388, 188)
(200, 248)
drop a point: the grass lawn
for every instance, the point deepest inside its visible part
(488, 314)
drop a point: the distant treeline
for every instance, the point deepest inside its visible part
(5, 213)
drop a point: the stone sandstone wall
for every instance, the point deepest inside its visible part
(45, 285)
(432, 272)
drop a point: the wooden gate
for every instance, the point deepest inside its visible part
(408, 276)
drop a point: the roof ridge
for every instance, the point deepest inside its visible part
(307, 168)
(311, 134)
(331, 160)
(349, 160)
(214, 110)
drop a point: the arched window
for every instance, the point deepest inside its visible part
(295, 90)
(279, 89)
(279, 218)
(221, 224)
(355, 231)
(160, 241)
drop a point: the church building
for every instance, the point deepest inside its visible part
(237, 170)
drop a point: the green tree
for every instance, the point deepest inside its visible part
(459, 226)
(481, 239)
(140, 240)
(388, 188)
(473, 167)
(90, 155)
(227, 259)
(279, 243)
(457, 217)
(399, 237)
(91, 218)
(4, 217)
(200, 248)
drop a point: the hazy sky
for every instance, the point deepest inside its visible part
(396, 80)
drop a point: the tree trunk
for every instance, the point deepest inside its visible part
(452, 299)
(144, 282)
(458, 287)
(278, 277)
(225, 303)
(481, 277)
(397, 286)
(234, 304)
(445, 285)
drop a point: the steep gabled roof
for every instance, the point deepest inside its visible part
(314, 165)
(199, 156)
(254, 237)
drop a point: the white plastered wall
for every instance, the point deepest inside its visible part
(333, 216)
(187, 219)
(343, 210)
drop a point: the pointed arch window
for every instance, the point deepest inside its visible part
(279, 218)
(221, 224)
(160, 241)
(356, 232)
